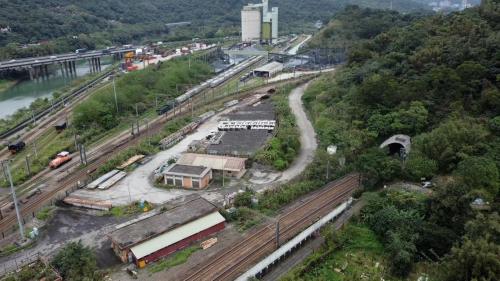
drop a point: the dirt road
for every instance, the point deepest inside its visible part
(308, 142)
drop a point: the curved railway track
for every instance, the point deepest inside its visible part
(233, 261)
(99, 156)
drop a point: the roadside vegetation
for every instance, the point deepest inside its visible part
(76, 262)
(36, 271)
(137, 93)
(347, 254)
(45, 213)
(174, 259)
(430, 80)
(129, 210)
(281, 149)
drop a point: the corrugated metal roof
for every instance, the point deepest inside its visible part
(190, 210)
(272, 67)
(215, 162)
(180, 233)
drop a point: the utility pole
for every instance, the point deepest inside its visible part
(278, 234)
(76, 143)
(5, 165)
(33, 118)
(222, 172)
(116, 98)
(34, 148)
(28, 168)
(191, 102)
(148, 135)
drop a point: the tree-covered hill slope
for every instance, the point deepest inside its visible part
(31, 21)
(436, 79)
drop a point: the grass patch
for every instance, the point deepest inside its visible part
(174, 260)
(135, 208)
(45, 213)
(281, 150)
(243, 218)
(36, 271)
(354, 253)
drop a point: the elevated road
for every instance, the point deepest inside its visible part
(60, 58)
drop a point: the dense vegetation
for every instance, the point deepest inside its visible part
(345, 255)
(66, 25)
(137, 92)
(282, 148)
(76, 262)
(436, 80)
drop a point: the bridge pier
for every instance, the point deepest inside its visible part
(66, 71)
(37, 72)
(46, 68)
(42, 72)
(31, 72)
(73, 63)
(62, 69)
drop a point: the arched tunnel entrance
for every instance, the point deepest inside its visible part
(395, 148)
(398, 144)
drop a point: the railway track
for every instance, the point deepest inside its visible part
(234, 260)
(100, 155)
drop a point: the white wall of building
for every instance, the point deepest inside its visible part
(251, 24)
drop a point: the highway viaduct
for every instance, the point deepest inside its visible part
(37, 67)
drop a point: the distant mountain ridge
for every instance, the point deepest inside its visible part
(32, 21)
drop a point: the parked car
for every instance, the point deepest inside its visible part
(426, 184)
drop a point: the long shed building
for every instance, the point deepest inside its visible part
(154, 237)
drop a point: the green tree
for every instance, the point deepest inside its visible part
(418, 166)
(76, 262)
(479, 173)
(377, 167)
(473, 260)
(452, 142)
(243, 199)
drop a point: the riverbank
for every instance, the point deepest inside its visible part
(7, 84)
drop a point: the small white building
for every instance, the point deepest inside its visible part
(268, 70)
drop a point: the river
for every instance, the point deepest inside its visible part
(25, 92)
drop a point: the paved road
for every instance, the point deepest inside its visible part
(308, 142)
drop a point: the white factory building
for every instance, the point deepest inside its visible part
(259, 24)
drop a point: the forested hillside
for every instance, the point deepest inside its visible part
(72, 24)
(437, 80)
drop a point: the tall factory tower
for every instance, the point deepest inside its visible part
(259, 24)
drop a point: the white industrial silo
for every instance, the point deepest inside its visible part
(251, 21)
